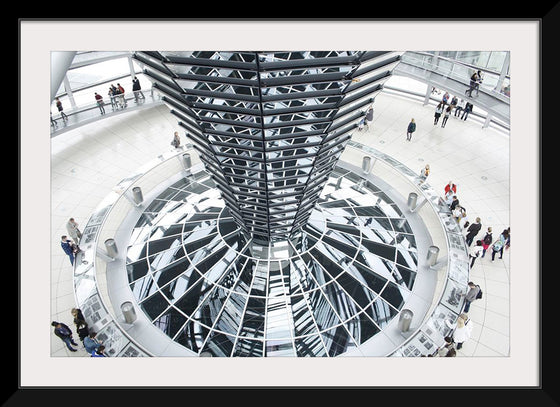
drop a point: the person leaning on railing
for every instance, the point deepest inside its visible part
(476, 79)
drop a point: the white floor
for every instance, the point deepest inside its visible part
(89, 161)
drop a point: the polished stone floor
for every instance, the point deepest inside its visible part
(88, 161)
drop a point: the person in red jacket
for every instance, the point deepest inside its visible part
(450, 188)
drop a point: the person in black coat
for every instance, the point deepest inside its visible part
(137, 89)
(410, 129)
(454, 203)
(472, 231)
(82, 328)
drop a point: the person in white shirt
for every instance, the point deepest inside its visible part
(475, 251)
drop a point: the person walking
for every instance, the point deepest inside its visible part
(100, 104)
(446, 116)
(69, 248)
(472, 231)
(498, 246)
(65, 334)
(438, 112)
(61, 110)
(410, 129)
(476, 79)
(475, 251)
(486, 241)
(137, 90)
(73, 230)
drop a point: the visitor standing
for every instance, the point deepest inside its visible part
(472, 231)
(61, 110)
(176, 142)
(91, 343)
(65, 334)
(486, 241)
(137, 89)
(462, 331)
(100, 104)
(450, 188)
(468, 109)
(73, 230)
(446, 115)
(475, 251)
(69, 247)
(471, 295)
(369, 117)
(438, 112)
(410, 129)
(460, 106)
(424, 172)
(499, 244)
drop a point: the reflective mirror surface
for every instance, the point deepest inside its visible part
(203, 282)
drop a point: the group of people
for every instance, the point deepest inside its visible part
(461, 329)
(472, 229)
(70, 243)
(117, 94)
(92, 346)
(446, 106)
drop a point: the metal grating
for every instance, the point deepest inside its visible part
(269, 126)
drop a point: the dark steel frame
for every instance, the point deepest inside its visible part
(269, 126)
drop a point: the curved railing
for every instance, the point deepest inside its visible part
(493, 83)
(82, 113)
(96, 267)
(92, 267)
(453, 265)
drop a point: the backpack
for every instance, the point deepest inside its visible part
(479, 295)
(488, 239)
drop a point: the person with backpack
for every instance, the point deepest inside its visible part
(486, 241)
(498, 246)
(473, 294)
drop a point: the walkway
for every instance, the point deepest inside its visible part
(87, 161)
